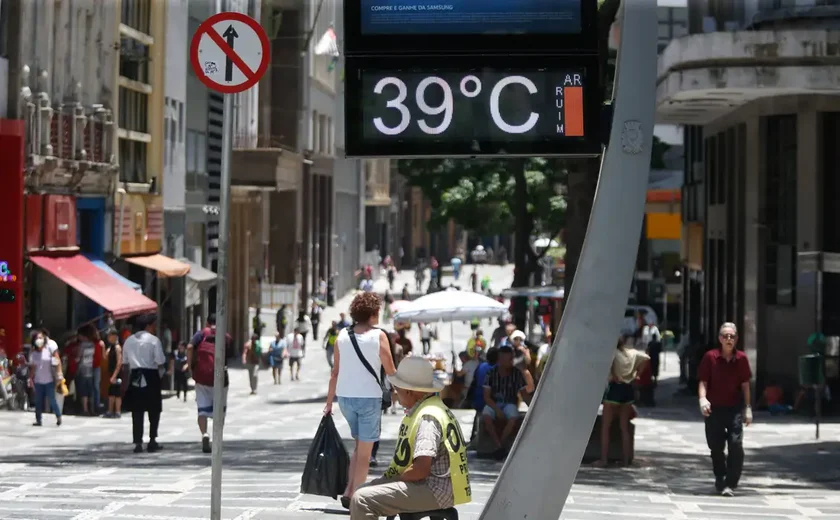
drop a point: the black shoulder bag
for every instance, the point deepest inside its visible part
(380, 379)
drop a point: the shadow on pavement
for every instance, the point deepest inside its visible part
(773, 470)
(310, 400)
(777, 470)
(245, 455)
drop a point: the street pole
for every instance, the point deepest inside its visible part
(221, 308)
(663, 352)
(557, 428)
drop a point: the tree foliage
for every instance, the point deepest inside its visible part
(480, 194)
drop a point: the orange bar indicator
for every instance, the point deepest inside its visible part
(573, 111)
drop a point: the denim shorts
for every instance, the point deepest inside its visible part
(511, 411)
(364, 415)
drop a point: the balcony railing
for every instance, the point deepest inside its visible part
(250, 142)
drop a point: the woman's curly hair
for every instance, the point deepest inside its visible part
(365, 306)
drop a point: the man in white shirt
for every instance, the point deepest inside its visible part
(143, 352)
(426, 337)
(294, 346)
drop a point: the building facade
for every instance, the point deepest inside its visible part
(756, 82)
(63, 89)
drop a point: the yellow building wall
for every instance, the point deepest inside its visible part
(154, 162)
(142, 213)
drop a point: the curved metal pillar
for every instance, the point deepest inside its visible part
(536, 479)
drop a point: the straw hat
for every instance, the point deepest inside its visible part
(415, 373)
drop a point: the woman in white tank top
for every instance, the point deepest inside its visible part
(358, 389)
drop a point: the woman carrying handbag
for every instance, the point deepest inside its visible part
(362, 359)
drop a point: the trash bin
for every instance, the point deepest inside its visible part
(811, 370)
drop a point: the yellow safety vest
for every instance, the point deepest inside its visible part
(453, 440)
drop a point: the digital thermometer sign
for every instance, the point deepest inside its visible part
(472, 111)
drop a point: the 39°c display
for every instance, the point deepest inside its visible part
(479, 112)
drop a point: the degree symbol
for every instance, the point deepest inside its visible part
(470, 93)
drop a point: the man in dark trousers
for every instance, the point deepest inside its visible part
(143, 353)
(724, 394)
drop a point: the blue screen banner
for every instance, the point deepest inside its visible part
(467, 17)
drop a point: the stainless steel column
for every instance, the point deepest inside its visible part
(541, 468)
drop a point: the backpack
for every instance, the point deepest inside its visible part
(205, 358)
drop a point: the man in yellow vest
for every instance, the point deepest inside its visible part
(429, 470)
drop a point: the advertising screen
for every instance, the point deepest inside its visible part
(470, 17)
(485, 110)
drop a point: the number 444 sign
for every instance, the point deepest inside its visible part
(230, 52)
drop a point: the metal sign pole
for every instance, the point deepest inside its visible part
(221, 314)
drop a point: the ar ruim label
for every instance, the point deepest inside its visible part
(569, 103)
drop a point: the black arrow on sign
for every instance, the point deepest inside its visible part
(231, 35)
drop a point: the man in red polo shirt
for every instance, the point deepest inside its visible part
(724, 392)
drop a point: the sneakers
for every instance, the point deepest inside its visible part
(720, 483)
(373, 462)
(205, 444)
(727, 492)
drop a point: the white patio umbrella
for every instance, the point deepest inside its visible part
(542, 243)
(450, 305)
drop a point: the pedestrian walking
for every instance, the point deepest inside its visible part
(724, 394)
(45, 373)
(281, 320)
(143, 352)
(115, 364)
(329, 342)
(88, 375)
(303, 326)
(426, 338)
(362, 360)
(251, 356)
(315, 319)
(277, 353)
(201, 358)
(180, 366)
(294, 346)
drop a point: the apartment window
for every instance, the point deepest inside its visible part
(134, 60)
(137, 14)
(330, 137)
(323, 130)
(196, 152)
(132, 160)
(315, 132)
(133, 112)
(780, 209)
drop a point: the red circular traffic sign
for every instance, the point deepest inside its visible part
(209, 47)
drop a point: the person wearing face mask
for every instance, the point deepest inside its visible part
(45, 374)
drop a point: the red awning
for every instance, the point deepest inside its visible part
(81, 274)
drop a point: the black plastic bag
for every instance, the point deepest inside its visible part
(325, 473)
